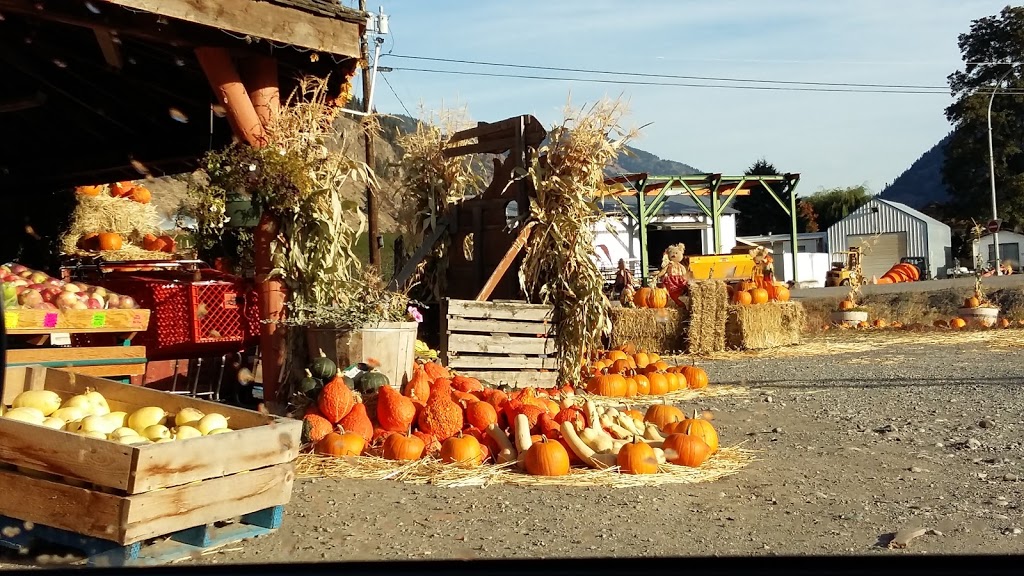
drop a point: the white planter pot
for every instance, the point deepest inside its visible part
(984, 316)
(849, 317)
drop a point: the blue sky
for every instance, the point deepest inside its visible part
(830, 139)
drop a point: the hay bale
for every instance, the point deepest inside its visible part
(709, 307)
(765, 326)
(104, 213)
(660, 330)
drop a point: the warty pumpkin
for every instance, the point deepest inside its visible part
(336, 400)
(357, 421)
(400, 446)
(431, 445)
(441, 416)
(435, 371)
(466, 384)
(394, 411)
(463, 450)
(419, 385)
(572, 415)
(481, 415)
(315, 427)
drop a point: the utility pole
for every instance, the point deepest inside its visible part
(376, 24)
(992, 173)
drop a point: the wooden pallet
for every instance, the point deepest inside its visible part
(502, 342)
(26, 537)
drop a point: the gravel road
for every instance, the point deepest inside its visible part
(855, 446)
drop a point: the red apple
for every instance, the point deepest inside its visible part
(38, 277)
(18, 268)
(94, 304)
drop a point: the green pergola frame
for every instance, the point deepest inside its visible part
(697, 185)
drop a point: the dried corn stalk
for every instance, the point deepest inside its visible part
(559, 267)
(433, 183)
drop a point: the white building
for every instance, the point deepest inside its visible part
(1010, 248)
(680, 220)
(888, 231)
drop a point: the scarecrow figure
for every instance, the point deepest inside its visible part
(623, 278)
(672, 275)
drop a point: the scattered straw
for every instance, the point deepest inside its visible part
(764, 326)
(726, 462)
(661, 330)
(128, 252)
(709, 305)
(679, 396)
(104, 213)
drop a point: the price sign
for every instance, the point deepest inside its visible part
(50, 320)
(10, 320)
(60, 339)
(99, 320)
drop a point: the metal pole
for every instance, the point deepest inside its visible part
(992, 172)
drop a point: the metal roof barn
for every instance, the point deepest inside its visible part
(888, 231)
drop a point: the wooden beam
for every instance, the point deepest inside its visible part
(111, 50)
(261, 20)
(19, 104)
(229, 90)
(502, 267)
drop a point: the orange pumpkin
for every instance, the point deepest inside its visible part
(743, 298)
(957, 323)
(441, 416)
(336, 400)
(340, 444)
(696, 378)
(89, 190)
(663, 414)
(972, 302)
(90, 241)
(394, 411)
(464, 451)
(606, 384)
(151, 242)
(357, 421)
(759, 296)
(110, 241)
(418, 386)
(847, 304)
(658, 298)
(659, 383)
(169, 244)
(782, 294)
(403, 447)
(643, 384)
(121, 189)
(481, 415)
(140, 194)
(685, 450)
(547, 458)
(641, 359)
(637, 458)
(700, 428)
(642, 298)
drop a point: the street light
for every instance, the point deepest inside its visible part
(992, 172)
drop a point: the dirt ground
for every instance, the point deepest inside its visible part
(855, 446)
(860, 435)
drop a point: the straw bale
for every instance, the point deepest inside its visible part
(709, 306)
(104, 213)
(764, 326)
(659, 330)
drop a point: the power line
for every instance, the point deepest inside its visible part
(665, 76)
(690, 84)
(674, 84)
(399, 98)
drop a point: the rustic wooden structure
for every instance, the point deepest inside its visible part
(115, 89)
(503, 342)
(486, 221)
(138, 491)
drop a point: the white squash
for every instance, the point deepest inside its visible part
(186, 432)
(188, 416)
(70, 414)
(46, 401)
(156, 432)
(26, 414)
(145, 417)
(81, 402)
(211, 422)
(54, 423)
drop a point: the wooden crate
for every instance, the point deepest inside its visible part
(502, 342)
(140, 492)
(20, 322)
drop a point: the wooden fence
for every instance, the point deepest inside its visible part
(501, 342)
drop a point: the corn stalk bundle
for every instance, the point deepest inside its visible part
(559, 266)
(432, 184)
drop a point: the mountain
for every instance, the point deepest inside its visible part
(921, 186)
(636, 160)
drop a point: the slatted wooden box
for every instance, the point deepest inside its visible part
(502, 342)
(140, 492)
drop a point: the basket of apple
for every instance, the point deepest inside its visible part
(25, 288)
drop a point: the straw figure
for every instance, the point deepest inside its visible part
(672, 275)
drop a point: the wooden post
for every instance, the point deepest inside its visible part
(226, 84)
(371, 160)
(259, 74)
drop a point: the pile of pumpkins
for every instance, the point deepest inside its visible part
(758, 291)
(903, 272)
(627, 373)
(106, 241)
(459, 420)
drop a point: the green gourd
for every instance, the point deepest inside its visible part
(372, 381)
(323, 368)
(309, 386)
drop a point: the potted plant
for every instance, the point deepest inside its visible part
(334, 304)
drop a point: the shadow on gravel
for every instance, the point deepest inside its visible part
(877, 382)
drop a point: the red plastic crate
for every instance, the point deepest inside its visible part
(189, 317)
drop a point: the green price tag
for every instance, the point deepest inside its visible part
(10, 320)
(99, 320)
